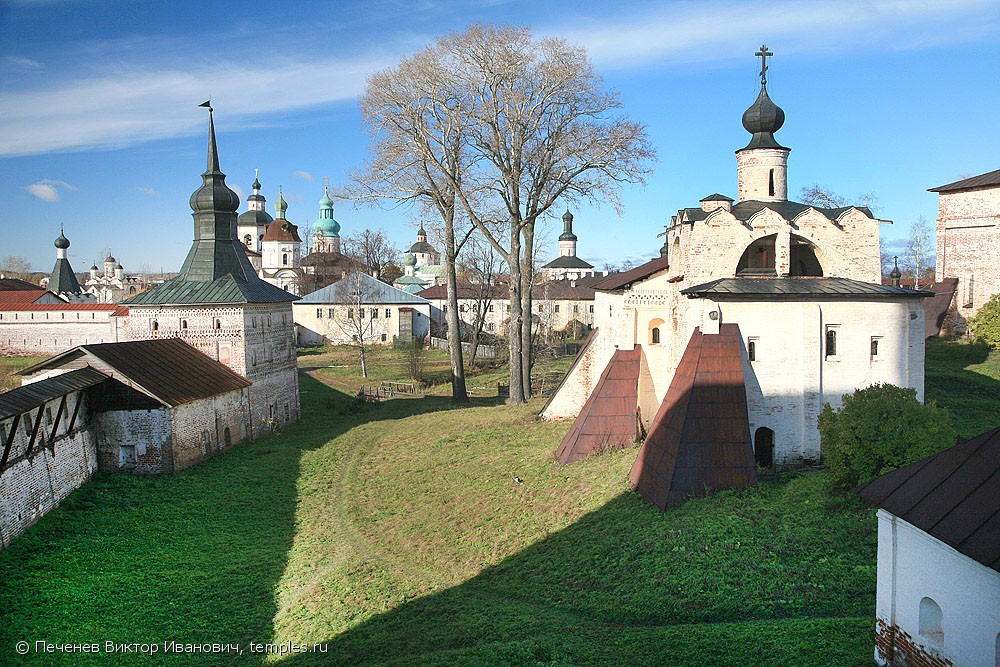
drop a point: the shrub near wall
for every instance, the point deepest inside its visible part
(985, 326)
(878, 429)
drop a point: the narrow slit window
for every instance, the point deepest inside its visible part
(752, 349)
(831, 342)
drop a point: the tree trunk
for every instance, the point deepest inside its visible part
(459, 393)
(527, 277)
(364, 366)
(516, 319)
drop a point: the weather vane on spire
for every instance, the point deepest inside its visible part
(763, 54)
(207, 104)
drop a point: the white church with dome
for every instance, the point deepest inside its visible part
(758, 311)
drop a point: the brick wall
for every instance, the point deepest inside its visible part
(968, 246)
(897, 648)
(136, 441)
(35, 482)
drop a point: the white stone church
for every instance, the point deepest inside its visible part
(726, 347)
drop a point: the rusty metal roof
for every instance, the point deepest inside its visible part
(608, 418)
(936, 307)
(167, 369)
(953, 496)
(700, 436)
(21, 296)
(805, 286)
(988, 179)
(625, 278)
(28, 397)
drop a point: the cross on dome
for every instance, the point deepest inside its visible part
(763, 54)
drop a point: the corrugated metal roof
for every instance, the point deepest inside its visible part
(225, 290)
(167, 369)
(608, 420)
(22, 399)
(21, 296)
(372, 290)
(798, 286)
(988, 179)
(59, 306)
(621, 280)
(700, 436)
(953, 496)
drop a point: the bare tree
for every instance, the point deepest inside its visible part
(356, 314)
(16, 266)
(371, 248)
(920, 250)
(481, 265)
(822, 197)
(494, 110)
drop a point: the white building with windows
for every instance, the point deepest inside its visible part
(797, 290)
(359, 307)
(938, 600)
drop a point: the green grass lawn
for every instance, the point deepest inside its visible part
(965, 378)
(396, 534)
(11, 365)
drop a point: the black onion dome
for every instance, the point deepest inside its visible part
(762, 120)
(567, 234)
(62, 242)
(214, 194)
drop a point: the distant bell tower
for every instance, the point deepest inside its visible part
(567, 240)
(762, 165)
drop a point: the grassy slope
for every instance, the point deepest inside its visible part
(964, 378)
(11, 365)
(397, 535)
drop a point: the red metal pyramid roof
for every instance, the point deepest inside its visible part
(608, 418)
(700, 437)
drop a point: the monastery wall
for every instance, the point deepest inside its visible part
(579, 382)
(35, 482)
(968, 246)
(209, 426)
(43, 332)
(136, 441)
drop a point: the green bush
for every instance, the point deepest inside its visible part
(985, 326)
(878, 429)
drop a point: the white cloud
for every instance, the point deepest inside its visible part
(46, 189)
(20, 62)
(304, 175)
(714, 31)
(139, 104)
(148, 191)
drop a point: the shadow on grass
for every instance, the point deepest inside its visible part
(969, 395)
(628, 585)
(194, 558)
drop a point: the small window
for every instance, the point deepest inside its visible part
(361, 313)
(218, 324)
(374, 313)
(508, 307)
(541, 307)
(591, 309)
(155, 326)
(184, 324)
(489, 309)
(576, 309)
(752, 349)
(329, 313)
(383, 338)
(462, 308)
(319, 313)
(284, 259)
(831, 342)
(350, 313)
(557, 307)
(770, 183)
(388, 313)
(655, 336)
(874, 346)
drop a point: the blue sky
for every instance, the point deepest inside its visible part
(100, 129)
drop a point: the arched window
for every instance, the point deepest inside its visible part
(758, 258)
(803, 257)
(929, 623)
(218, 324)
(284, 259)
(654, 331)
(155, 326)
(247, 240)
(763, 447)
(751, 349)
(831, 342)
(184, 324)
(770, 183)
